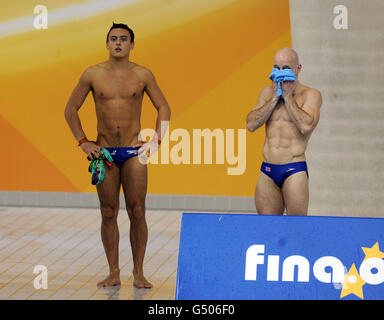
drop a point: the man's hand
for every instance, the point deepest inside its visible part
(91, 149)
(147, 149)
(274, 88)
(275, 98)
(288, 87)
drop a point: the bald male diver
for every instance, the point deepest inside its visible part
(118, 86)
(290, 112)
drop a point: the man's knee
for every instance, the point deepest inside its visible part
(136, 211)
(109, 211)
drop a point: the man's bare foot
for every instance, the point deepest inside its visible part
(112, 280)
(139, 281)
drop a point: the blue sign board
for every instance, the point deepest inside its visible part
(241, 256)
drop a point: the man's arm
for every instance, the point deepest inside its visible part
(307, 117)
(163, 115)
(267, 101)
(74, 103)
(159, 102)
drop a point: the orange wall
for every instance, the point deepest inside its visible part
(210, 58)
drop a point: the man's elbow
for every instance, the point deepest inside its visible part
(165, 110)
(306, 130)
(250, 126)
(68, 112)
(169, 112)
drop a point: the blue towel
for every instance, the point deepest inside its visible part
(281, 75)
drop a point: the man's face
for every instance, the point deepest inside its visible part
(119, 43)
(285, 61)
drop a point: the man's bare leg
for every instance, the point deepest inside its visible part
(268, 196)
(296, 194)
(134, 181)
(108, 193)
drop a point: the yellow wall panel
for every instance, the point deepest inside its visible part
(211, 58)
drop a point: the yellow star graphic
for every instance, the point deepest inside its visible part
(373, 252)
(353, 283)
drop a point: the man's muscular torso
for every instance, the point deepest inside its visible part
(284, 143)
(118, 96)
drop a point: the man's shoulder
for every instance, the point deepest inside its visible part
(143, 72)
(140, 70)
(91, 71)
(311, 94)
(98, 67)
(266, 92)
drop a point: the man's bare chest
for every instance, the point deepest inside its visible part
(117, 86)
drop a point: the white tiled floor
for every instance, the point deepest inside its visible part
(68, 243)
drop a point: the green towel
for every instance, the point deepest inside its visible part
(97, 166)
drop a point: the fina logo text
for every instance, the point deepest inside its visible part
(327, 269)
